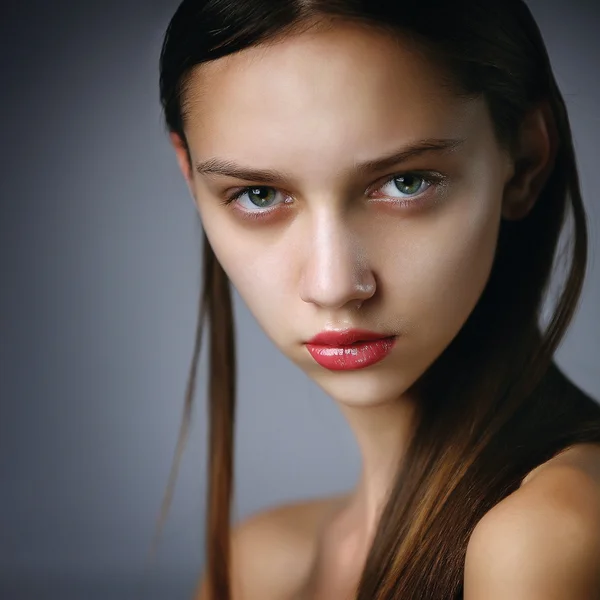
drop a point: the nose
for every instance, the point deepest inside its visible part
(336, 272)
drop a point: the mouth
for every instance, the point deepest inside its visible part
(351, 356)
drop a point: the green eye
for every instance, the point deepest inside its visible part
(257, 195)
(413, 188)
(409, 184)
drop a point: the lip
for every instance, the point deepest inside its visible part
(351, 356)
(346, 337)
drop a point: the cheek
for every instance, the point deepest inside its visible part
(255, 270)
(262, 286)
(449, 270)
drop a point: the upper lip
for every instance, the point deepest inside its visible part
(345, 337)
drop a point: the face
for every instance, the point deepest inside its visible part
(327, 240)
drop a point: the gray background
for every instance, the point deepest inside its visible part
(100, 274)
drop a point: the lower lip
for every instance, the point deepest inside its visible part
(352, 356)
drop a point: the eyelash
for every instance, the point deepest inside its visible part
(433, 179)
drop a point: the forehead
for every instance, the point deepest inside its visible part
(345, 88)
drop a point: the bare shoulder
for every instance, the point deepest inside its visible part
(272, 550)
(542, 541)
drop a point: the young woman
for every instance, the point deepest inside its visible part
(384, 182)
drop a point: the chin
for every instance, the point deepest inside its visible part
(364, 387)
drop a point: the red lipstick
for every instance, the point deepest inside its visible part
(349, 349)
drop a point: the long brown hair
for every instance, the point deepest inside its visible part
(493, 405)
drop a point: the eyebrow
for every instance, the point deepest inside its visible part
(227, 168)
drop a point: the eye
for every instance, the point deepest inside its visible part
(415, 188)
(409, 184)
(260, 197)
(262, 200)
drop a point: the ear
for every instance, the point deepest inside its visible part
(183, 160)
(533, 160)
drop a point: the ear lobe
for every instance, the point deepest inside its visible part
(182, 156)
(533, 160)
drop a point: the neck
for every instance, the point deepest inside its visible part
(383, 433)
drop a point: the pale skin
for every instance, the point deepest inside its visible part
(335, 249)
